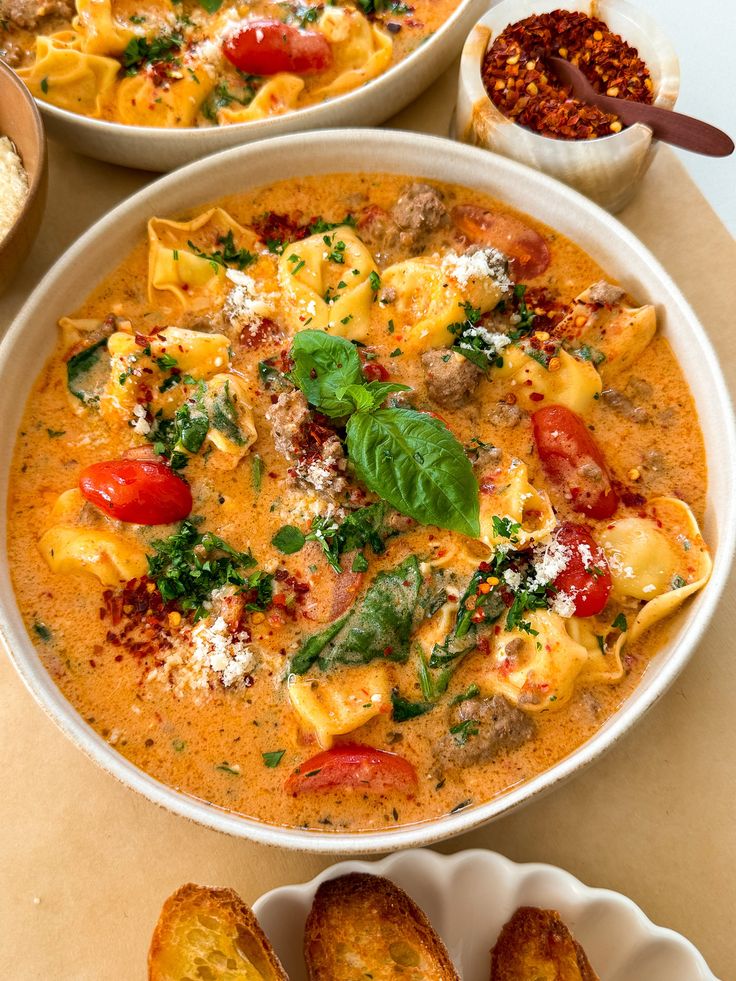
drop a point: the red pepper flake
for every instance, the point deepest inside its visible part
(521, 85)
(536, 396)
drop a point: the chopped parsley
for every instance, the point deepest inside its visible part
(228, 255)
(272, 759)
(188, 566)
(42, 631)
(620, 623)
(462, 731)
(360, 528)
(141, 51)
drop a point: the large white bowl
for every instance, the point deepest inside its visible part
(32, 336)
(152, 148)
(470, 895)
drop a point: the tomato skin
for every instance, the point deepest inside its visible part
(527, 250)
(352, 765)
(143, 492)
(590, 590)
(565, 446)
(266, 47)
(375, 371)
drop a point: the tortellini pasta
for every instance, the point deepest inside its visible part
(70, 546)
(535, 670)
(67, 77)
(175, 269)
(523, 514)
(140, 101)
(569, 382)
(360, 50)
(232, 429)
(614, 333)
(277, 96)
(329, 281)
(429, 298)
(100, 33)
(194, 354)
(659, 558)
(335, 705)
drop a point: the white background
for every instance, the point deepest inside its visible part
(703, 33)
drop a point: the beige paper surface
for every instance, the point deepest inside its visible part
(85, 864)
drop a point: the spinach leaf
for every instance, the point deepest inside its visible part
(322, 365)
(225, 417)
(313, 647)
(377, 627)
(413, 461)
(83, 377)
(404, 709)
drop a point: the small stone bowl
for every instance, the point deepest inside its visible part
(21, 121)
(608, 169)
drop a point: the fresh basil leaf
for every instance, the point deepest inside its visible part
(379, 626)
(288, 540)
(225, 417)
(365, 398)
(322, 365)
(413, 461)
(84, 378)
(404, 709)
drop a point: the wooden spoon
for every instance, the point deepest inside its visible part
(666, 125)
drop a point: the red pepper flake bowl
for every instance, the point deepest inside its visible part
(507, 101)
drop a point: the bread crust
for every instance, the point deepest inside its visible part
(230, 925)
(380, 931)
(536, 943)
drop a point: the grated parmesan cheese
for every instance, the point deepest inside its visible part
(549, 560)
(140, 423)
(13, 185)
(216, 650)
(243, 307)
(478, 265)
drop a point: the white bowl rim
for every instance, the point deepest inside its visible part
(644, 20)
(308, 117)
(564, 881)
(412, 146)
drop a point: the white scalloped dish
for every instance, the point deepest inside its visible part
(469, 896)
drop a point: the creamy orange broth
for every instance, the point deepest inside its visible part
(187, 81)
(184, 739)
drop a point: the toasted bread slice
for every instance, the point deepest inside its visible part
(210, 933)
(535, 943)
(363, 926)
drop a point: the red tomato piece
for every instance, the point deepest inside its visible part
(527, 250)
(375, 371)
(266, 47)
(351, 765)
(586, 577)
(144, 492)
(573, 459)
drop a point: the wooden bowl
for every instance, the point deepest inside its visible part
(21, 121)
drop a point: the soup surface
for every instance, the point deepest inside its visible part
(353, 501)
(206, 62)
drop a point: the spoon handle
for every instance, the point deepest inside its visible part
(672, 127)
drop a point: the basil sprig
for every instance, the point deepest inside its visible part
(406, 457)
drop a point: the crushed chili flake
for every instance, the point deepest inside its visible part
(520, 84)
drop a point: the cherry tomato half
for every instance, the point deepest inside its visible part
(144, 492)
(266, 47)
(572, 458)
(527, 250)
(586, 577)
(351, 765)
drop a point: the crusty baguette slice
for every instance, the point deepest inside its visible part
(363, 926)
(535, 943)
(210, 933)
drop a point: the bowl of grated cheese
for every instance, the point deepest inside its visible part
(23, 173)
